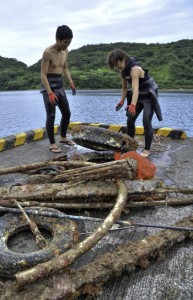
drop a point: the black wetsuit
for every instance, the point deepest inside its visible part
(147, 101)
(56, 85)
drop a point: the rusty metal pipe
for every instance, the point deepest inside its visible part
(90, 219)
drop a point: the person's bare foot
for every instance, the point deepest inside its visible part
(67, 142)
(55, 149)
(145, 153)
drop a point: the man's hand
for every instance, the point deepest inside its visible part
(73, 88)
(119, 105)
(53, 98)
(131, 109)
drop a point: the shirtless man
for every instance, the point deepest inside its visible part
(53, 65)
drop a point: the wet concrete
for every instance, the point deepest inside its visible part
(171, 277)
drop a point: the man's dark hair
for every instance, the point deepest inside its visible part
(63, 32)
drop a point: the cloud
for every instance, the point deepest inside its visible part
(27, 27)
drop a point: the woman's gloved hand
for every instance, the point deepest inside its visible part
(119, 105)
(131, 109)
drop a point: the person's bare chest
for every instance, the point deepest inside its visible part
(58, 59)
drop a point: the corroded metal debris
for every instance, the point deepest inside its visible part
(64, 236)
(62, 261)
(127, 258)
(103, 139)
(89, 279)
(125, 169)
(80, 185)
(37, 167)
(94, 156)
(94, 194)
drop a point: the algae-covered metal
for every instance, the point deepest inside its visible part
(62, 261)
(64, 236)
(103, 139)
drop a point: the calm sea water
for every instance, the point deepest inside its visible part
(24, 110)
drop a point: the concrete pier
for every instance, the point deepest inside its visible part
(172, 276)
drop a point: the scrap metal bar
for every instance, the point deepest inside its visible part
(82, 218)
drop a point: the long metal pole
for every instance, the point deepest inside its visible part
(82, 218)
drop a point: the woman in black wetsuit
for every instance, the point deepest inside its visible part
(143, 94)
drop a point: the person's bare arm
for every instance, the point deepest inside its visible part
(66, 71)
(123, 93)
(124, 89)
(135, 73)
(44, 70)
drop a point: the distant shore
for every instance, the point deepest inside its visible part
(113, 90)
(176, 91)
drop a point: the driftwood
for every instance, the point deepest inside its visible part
(60, 262)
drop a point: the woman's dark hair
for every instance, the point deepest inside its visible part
(116, 55)
(63, 32)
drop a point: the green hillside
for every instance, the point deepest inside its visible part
(171, 65)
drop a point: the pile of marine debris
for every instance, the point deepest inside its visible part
(81, 184)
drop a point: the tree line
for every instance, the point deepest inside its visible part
(170, 64)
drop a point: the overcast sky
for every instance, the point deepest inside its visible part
(27, 27)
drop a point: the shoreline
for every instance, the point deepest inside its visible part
(110, 90)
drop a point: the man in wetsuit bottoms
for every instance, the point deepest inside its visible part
(53, 66)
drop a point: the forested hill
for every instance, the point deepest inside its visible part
(171, 65)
